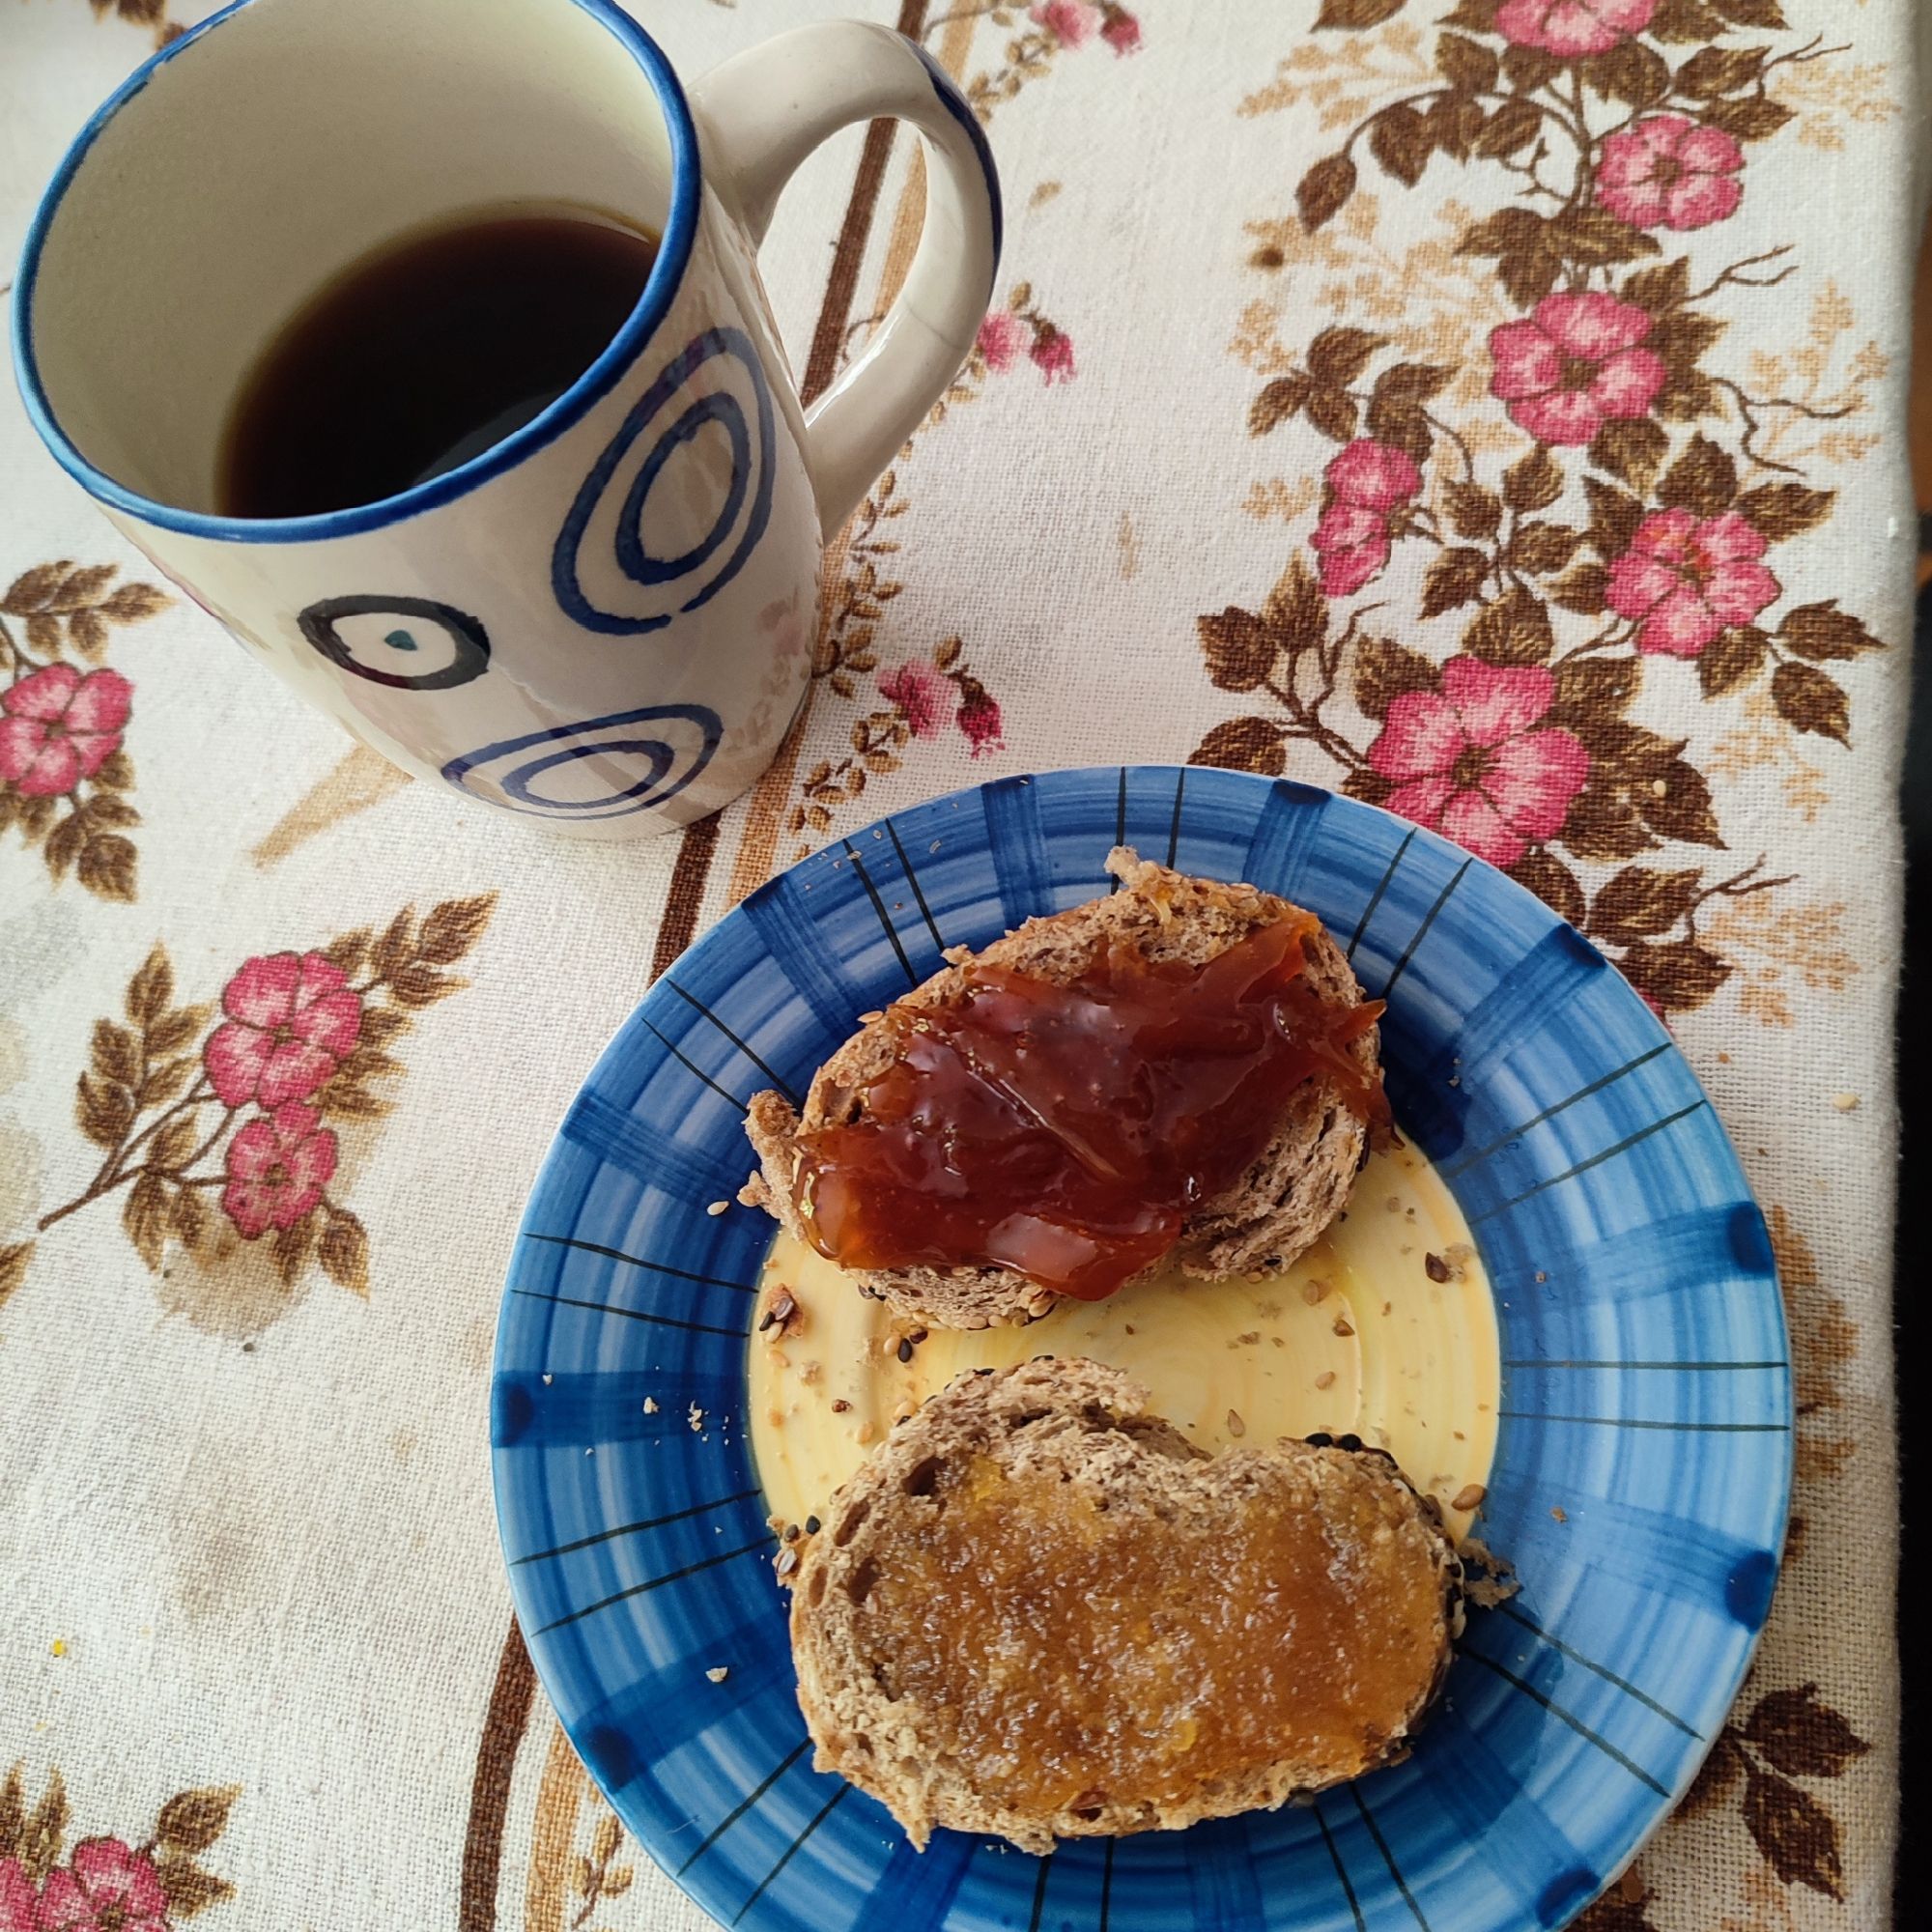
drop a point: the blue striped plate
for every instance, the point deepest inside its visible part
(1646, 1390)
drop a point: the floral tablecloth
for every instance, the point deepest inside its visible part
(1491, 408)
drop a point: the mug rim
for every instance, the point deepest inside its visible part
(653, 303)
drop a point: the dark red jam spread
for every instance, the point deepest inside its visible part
(1066, 1132)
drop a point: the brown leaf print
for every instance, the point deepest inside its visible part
(1596, 475)
(14, 1261)
(63, 772)
(1244, 745)
(1798, 1735)
(1797, 1835)
(1357, 13)
(224, 1137)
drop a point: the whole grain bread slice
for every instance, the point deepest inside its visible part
(1073, 1429)
(1278, 1209)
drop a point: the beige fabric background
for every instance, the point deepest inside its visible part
(256, 1661)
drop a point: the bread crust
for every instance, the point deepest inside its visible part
(1088, 1424)
(1277, 1209)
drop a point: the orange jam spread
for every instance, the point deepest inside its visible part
(1066, 1132)
(1072, 1655)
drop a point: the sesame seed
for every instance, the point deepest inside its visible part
(719, 1672)
(717, 1207)
(1469, 1496)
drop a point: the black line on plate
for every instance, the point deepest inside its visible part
(1623, 1145)
(1422, 931)
(1107, 1867)
(744, 1805)
(1120, 836)
(637, 1260)
(1388, 1858)
(1623, 1684)
(1341, 1870)
(690, 1000)
(1376, 897)
(1455, 1167)
(1528, 1362)
(823, 1810)
(655, 1583)
(879, 907)
(1633, 1422)
(1577, 1725)
(691, 1067)
(1039, 1894)
(628, 1528)
(918, 891)
(631, 1314)
(1174, 824)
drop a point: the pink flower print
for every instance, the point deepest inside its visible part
(60, 726)
(1475, 762)
(1376, 476)
(291, 1019)
(1053, 353)
(1573, 363)
(1667, 172)
(1366, 482)
(979, 720)
(1070, 22)
(18, 1900)
(921, 694)
(1573, 28)
(104, 1886)
(1687, 577)
(1120, 29)
(1353, 544)
(277, 1166)
(999, 339)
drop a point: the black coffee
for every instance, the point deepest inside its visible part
(425, 353)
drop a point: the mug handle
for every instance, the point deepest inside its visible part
(760, 114)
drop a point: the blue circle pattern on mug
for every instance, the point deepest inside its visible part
(670, 585)
(659, 759)
(398, 668)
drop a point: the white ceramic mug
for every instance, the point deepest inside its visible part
(604, 621)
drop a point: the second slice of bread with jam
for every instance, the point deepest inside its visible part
(1040, 1611)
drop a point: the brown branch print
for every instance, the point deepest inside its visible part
(107, 1883)
(920, 696)
(1788, 1735)
(1039, 34)
(1598, 498)
(64, 773)
(216, 1129)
